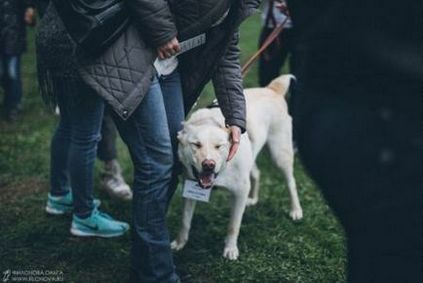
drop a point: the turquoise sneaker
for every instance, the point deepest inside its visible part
(98, 224)
(63, 204)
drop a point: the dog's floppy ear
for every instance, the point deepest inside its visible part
(182, 134)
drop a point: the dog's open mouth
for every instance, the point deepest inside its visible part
(205, 178)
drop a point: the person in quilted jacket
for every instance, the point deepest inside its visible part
(149, 102)
(74, 143)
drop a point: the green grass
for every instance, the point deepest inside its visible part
(272, 247)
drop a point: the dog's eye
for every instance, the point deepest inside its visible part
(218, 146)
(196, 144)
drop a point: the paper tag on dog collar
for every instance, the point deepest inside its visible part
(192, 190)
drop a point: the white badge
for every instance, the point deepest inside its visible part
(167, 66)
(192, 190)
(192, 43)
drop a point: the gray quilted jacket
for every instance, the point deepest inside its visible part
(59, 64)
(123, 73)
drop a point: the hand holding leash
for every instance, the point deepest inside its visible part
(235, 136)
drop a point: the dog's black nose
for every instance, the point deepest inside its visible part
(208, 165)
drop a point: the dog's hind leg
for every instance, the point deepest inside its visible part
(296, 212)
(283, 156)
(255, 186)
(238, 207)
(182, 238)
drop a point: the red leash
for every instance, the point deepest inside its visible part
(272, 36)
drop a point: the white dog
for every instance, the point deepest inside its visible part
(203, 149)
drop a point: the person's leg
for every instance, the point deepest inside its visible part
(270, 61)
(13, 86)
(16, 81)
(60, 200)
(174, 105)
(106, 150)
(146, 134)
(6, 82)
(2, 77)
(295, 51)
(283, 43)
(86, 113)
(111, 177)
(59, 150)
(73, 152)
(296, 67)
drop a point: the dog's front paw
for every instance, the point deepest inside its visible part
(296, 214)
(177, 245)
(231, 252)
(251, 201)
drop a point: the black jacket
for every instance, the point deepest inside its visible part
(367, 41)
(12, 26)
(122, 74)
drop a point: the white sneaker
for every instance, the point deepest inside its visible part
(113, 182)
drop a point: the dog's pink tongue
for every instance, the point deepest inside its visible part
(206, 180)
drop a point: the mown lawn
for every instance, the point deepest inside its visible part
(273, 248)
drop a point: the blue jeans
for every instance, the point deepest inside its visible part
(74, 144)
(174, 105)
(10, 75)
(149, 134)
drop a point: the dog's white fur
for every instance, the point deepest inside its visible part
(204, 137)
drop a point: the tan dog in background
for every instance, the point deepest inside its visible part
(204, 147)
